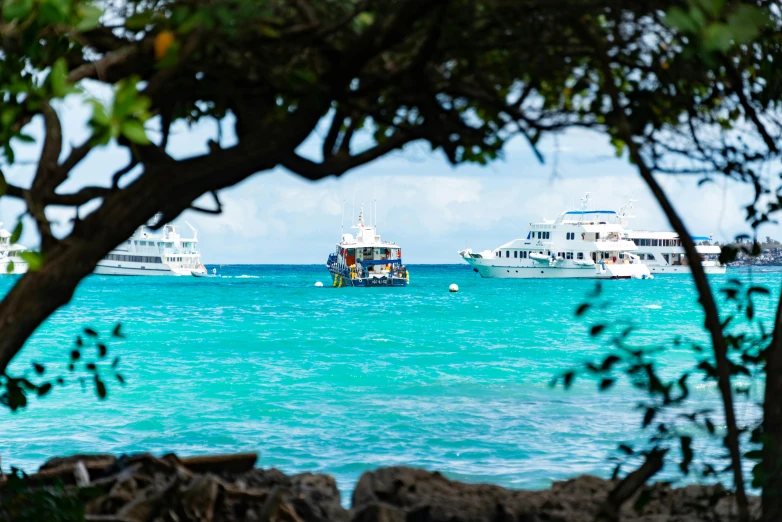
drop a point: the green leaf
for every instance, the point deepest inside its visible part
(90, 18)
(44, 389)
(678, 19)
(268, 31)
(34, 259)
(745, 22)
(10, 267)
(99, 115)
(58, 78)
(25, 138)
(100, 388)
(139, 21)
(17, 233)
(16, 9)
(718, 37)
(366, 18)
(3, 185)
(713, 7)
(51, 12)
(134, 131)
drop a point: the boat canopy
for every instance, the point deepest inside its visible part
(583, 212)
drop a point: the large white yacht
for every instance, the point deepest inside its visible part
(578, 244)
(663, 252)
(149, 252)
(10, 260)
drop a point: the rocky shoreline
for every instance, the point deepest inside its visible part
(229, 488)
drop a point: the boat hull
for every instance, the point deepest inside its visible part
(340, 279)
(20, 267)
(137, 269)
(491, 268)
(684, 269)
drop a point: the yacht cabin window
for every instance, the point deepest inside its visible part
(515, 254)
(580, 255)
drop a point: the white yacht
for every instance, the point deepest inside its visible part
(10, 260)
(149, 252)
(578, 244)
(663, 252)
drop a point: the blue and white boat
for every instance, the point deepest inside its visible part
(366, 260)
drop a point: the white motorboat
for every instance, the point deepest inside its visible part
(150, 252)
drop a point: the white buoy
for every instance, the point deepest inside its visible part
(453, 288)
(318, 284)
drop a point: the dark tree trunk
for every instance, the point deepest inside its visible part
(772, 426)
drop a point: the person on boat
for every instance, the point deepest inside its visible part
(214, 272)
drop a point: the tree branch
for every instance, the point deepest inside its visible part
(98, 68)
(166, 186)
(628, 486)
(713, 324)
(338, 165)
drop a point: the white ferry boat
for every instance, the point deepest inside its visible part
(151, 252)
(366, 260)
(10, 260)
(578, 244)
(663, 252)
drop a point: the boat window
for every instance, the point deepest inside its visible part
(580, 255)
(655, 242)
(548, 235)
(569, 255)
(515, 254)
(507, 253)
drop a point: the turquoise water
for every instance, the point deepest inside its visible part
(345, 380)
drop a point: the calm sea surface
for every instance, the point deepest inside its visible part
(345, 380)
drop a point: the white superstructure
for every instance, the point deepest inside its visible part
(663, 252)
(10, 260)
(578, 244)
(149, 252)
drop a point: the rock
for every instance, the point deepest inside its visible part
(221, 488)
(429, 497)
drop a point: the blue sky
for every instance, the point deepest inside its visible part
(429, 207)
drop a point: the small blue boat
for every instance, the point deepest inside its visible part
(366, 260)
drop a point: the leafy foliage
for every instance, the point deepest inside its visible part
(22, 503)
(89, 355)
(667, 411)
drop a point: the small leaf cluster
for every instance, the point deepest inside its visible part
(89, 355)
(125, 118)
